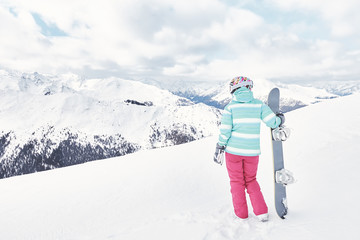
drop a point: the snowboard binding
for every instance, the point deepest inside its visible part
(284, 177)
(281, 133)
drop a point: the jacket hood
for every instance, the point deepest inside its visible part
(243, 95)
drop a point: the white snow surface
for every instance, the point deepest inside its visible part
(180, 193)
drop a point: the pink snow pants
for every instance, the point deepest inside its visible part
(242, 172)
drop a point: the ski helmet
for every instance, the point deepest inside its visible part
(239, 82)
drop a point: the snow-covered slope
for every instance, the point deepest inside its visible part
(51, 121)
(179, 193)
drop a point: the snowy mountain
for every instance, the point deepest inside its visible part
(50, 121)
(179, 193)
(341, 88)
(293, 95)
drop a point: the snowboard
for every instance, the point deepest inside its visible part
(278, 157)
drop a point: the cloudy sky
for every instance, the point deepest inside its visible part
(292, 40)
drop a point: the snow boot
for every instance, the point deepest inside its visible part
(263, 217)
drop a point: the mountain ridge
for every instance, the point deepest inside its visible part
(217, 94)
(52, 121)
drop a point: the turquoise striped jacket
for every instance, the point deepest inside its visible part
(240, 123)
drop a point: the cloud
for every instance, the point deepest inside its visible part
(197, 39)
(339, 15)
